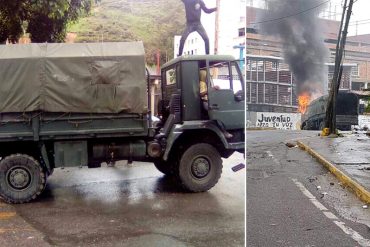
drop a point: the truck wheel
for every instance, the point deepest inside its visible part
(21, 178)
(200, 168)
(322, 125)
(166, 167)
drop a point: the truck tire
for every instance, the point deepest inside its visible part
(21, 178)
(200, 168)
(166, 167)
(322, 125)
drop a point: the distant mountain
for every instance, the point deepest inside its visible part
(154, 22)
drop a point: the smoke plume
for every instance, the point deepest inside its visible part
(297, 24)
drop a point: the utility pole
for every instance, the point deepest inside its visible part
(217, 26)
(338, 70)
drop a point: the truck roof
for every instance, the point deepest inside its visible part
(199, 58)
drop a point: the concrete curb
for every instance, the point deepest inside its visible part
(346, 180)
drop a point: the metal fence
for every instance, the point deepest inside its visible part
(271, 86)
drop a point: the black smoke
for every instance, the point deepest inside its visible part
(297, 25)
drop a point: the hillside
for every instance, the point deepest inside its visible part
(154, 22)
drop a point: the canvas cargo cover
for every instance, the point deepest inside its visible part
(81, 78)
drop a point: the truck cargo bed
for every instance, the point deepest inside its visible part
(57, 126)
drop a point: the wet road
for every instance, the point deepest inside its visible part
(284, 205)
(136, 206)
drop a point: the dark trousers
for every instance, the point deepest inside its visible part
(194, 27)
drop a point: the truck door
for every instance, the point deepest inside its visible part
(226, 94)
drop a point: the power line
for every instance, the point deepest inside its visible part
(288, 16)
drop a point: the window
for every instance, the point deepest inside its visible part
(220, 75)
(237, 81)
(171, 76)
(355, 70)
(275, 66)
(241, 32)
(260, 66)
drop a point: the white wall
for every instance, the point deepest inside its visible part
(285, 121)
(364, 121)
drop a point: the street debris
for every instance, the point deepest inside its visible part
(331, 183)
(290, 145)
(361, 139)
(238, 167)
(366, 168)
(364, 206)
(318, 187)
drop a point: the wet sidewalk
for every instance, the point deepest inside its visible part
(346, 157)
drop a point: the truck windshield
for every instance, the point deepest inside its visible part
(220, 76)
(226, 75)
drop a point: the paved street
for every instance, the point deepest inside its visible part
(285, 205)
(129, 206)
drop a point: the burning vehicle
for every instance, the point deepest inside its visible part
(347, 110)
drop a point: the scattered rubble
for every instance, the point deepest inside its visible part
(290, 145)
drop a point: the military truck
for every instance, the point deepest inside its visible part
(71, 105)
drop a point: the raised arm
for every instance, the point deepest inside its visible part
(205, 9)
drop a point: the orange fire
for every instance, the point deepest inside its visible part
(303, 100)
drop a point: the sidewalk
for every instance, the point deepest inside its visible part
(348, 158)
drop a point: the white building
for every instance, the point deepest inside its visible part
(232, 22)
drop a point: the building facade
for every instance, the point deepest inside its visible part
(271, 86)
(276, 90)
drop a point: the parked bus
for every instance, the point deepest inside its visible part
(347, 109)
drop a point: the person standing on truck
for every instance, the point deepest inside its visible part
(193, 9)
(204, 97)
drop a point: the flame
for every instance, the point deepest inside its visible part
(303, 100)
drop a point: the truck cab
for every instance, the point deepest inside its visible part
(187, 120)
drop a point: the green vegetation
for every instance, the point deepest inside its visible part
(154, 22)
(44, 20)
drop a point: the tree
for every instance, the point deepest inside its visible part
(47, 20)
(11, 16)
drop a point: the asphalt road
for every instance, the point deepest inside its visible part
(284, 205)
(128, 205)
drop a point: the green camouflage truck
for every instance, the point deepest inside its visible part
(70, 105)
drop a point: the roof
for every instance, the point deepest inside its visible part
(363, 38)
(199, 58)
(63, 50)
(272, 58)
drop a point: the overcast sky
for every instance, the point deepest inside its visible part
(361, 13)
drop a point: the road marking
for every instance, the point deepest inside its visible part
(6, 215)
(330, 215)
(347, 230)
